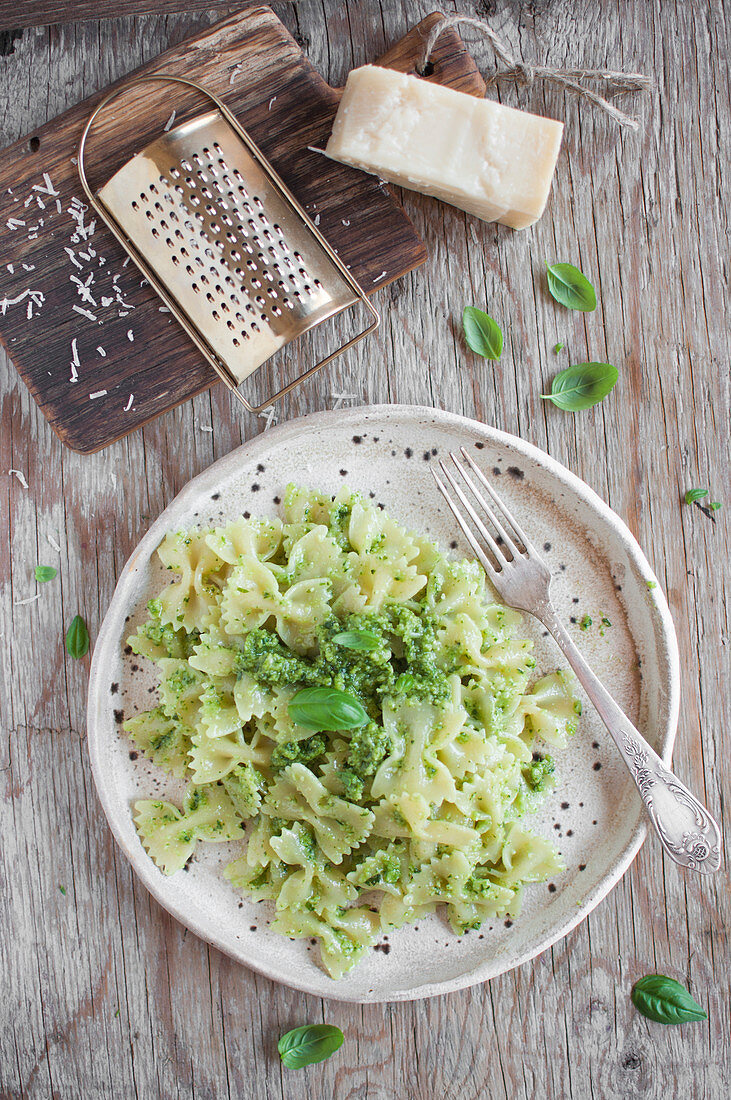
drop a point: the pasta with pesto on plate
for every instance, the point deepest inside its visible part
(346, 702)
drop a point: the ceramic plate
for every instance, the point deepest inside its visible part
(593, 814)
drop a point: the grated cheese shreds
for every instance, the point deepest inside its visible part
(85, 312)
(37, 298)
(28, 599)
(20, 476)
(83, 288)
(53, 543)
(130, 401)
(97, 393)
(340, 398)
(46, 188)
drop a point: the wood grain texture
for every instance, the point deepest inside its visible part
(37, 13)
(104, 995)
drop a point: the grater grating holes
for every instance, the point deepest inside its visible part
(228, 221)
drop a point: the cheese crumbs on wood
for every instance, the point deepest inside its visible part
(494, 162)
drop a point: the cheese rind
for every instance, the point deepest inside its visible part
(492, 161)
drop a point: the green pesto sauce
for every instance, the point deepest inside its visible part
(339, 522)
(180, 679)
(384, 866)
(176, 643)
(403, 664)
(538, 775)
(299, 752)
(244, 785)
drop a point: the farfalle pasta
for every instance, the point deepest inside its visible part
(348, 832)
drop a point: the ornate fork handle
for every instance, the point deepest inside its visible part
(687, 831)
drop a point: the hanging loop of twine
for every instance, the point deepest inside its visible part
(524, 73)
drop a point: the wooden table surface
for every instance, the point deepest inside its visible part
(103, 994)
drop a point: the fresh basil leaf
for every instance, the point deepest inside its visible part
(324, 708)
(558, 347)
(581, 386)
(363, 640)
(695, 494)
(77, 638)
(570, 287)
(666, 1001)
(483, 335)
(715, 505)
(312, 1043)
(45, 573)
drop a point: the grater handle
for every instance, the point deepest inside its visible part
(159, 287)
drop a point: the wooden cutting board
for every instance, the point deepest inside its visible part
(87, 335)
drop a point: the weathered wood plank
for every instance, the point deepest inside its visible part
(648, 219)
(37, 13)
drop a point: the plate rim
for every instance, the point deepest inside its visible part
(339, 417)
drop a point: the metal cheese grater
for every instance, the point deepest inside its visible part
(224, 243)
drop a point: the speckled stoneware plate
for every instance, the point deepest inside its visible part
(599, 570)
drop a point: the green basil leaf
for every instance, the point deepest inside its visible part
(323, 708)
(715, 505)
(665, 1000)
(581, 386)
(570, 287)
(45, 573)
(77, 638)
(363, 640)
(483, 335)
(695, 494)
(312, 1043)
(558, 347)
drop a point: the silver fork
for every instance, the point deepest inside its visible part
(687, 831)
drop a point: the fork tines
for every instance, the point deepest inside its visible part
(509, 542)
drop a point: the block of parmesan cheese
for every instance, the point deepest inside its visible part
(492, 161)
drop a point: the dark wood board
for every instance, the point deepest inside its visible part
(130, 353)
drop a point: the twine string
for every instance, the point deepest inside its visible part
(525, 73)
